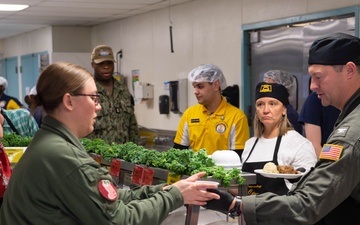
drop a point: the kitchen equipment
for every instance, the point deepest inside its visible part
(178, 95)
(164, 104)
(149, 133)
(226, 158)
(144, 140)
(206, 217)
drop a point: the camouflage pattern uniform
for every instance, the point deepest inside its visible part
(116, 120)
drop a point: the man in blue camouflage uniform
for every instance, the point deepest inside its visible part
(329, 193)
(116, 122)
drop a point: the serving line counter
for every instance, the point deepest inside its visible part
(125, 179)
(192, 212)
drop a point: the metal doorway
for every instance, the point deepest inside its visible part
(285, 47)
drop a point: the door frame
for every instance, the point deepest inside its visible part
(246, 93)
(32, 69)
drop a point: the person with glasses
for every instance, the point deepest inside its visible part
(57, 182)
(94, 97)
(116, 122)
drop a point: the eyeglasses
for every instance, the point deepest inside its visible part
(94, 97)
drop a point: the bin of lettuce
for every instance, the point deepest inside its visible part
(15, 140)
(15, 146)
(179, 162)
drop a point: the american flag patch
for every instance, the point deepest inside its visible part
(331, 152)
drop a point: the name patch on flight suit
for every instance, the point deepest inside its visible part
(107, 190)
(195, 120)
(331, 152)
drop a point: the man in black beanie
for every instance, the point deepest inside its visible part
(330, 193)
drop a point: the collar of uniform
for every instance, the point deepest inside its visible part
(51, 124)
(117, 87)
(220, 111)
(350, 105)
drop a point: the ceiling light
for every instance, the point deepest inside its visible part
(12, 7)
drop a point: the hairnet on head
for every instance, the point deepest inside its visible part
(3, 82)
(281, 77)
(208, 73)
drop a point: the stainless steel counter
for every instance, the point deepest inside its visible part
(191, 212)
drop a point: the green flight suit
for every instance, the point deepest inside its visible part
(57, 182)
(331, 191)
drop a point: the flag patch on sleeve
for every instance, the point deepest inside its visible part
(331, 152)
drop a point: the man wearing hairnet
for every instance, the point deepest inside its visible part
(289, 81)
(213, 124)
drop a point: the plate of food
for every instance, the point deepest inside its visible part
(271, 170)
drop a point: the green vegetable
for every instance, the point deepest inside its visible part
(15, 140)
(225, 176)
(179, 162)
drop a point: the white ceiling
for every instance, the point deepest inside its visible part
(43, 13)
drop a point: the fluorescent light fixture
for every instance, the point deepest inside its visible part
(12, 7)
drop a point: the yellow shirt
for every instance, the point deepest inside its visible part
(225, 129)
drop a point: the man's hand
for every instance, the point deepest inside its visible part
(196, 193)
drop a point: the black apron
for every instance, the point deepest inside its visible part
(264, 184)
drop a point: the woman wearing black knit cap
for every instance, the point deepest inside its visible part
(275, 140)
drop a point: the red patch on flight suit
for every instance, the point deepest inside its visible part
(108, 190)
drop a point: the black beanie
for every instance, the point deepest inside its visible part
(272, 90)
(335, 49)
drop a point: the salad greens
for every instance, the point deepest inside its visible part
(179, 162)
(15, 140)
